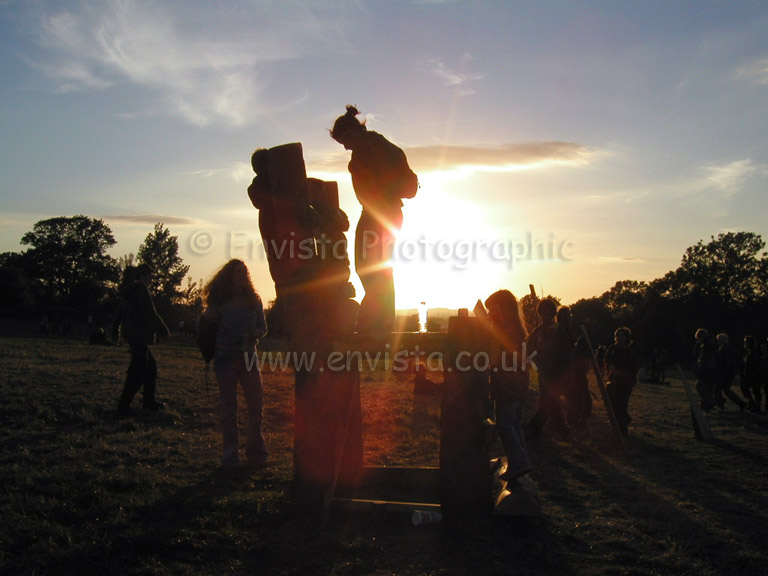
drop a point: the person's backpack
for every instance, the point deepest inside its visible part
(402, 180)
(393, 170)
(408, 184)
(206, 338)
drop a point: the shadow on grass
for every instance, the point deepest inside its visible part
(684, 515)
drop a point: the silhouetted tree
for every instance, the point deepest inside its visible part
(729, 270)
(15, 293)
(720, 284)
(68, 262)
(625, 301)
(595, 316)
(191, 299)
(161, 251)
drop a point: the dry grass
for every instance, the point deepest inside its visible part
(84, 492)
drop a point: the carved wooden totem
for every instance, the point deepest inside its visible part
(303, 229)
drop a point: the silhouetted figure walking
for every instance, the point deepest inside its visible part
(764, 367)
(381, 178)
(137, 322)
(234, 306)
(725, 371)
(579, 397)
(575, 383)
(621, 374)
(658, 365)
(706, 369)
(751, 374)
(600, 355)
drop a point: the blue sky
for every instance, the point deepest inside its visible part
(592, 141)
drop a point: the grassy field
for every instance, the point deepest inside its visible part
(84, 492)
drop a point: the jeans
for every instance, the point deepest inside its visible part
(619, 394)
(142, 373)
(231, 369)
(509, 424)
(374, 242)
(549, 411)
(706, 389)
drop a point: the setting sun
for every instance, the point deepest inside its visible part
(443, 254)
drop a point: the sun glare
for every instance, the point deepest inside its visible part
(440, 257)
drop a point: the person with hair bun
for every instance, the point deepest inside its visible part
(381, 179)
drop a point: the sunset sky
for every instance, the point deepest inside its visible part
(592, 141)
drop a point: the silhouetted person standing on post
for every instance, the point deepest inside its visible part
(381, 178)
(137, 321)
(621, 369)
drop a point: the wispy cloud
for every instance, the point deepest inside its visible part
(506, 157)
(238, 171)
(754, 71)
(716, 182)
(729, 179)
(152, 219)
(179, 57)
(460, 81)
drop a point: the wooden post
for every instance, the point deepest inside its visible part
(603, 393)
(315, 292)
(465, 475)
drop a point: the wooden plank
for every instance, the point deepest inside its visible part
(362, 505)
(704, 431)
(427, 342)
(603, 393)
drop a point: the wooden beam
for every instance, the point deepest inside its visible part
(604, 394)
(362, 505)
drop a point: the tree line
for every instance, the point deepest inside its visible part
(720, 285)
(66, 270)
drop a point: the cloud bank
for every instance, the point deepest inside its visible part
(202, 63)
(504, 158)
(151, 219)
